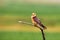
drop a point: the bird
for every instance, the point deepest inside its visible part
(36, 22)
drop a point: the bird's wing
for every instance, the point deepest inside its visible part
(36, 20)
(39, 23)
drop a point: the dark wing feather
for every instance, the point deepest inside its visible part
(36, 20)
(39, 22)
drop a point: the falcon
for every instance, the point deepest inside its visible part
(36, 22)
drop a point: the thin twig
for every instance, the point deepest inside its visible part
(43, 35)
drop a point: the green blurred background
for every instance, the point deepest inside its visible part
(11, 11)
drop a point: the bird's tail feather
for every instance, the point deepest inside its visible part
(43, 26)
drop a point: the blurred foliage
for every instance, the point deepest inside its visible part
(28, 36)
(11, 12)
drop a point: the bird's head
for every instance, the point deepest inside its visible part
(33, 14)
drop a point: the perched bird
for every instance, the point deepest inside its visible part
(36, 22)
